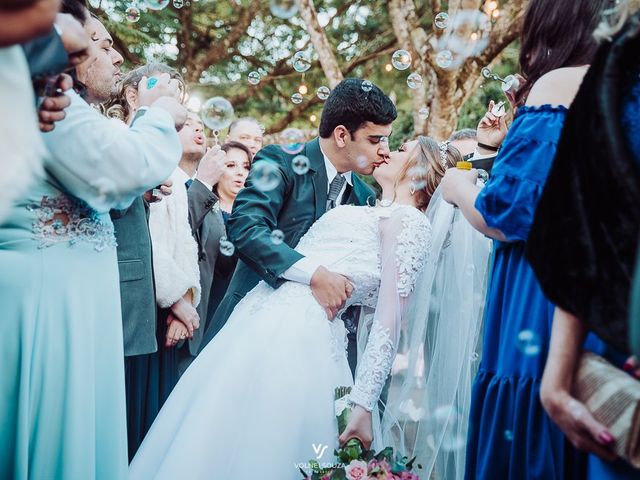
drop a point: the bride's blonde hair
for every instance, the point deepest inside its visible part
(429, 161)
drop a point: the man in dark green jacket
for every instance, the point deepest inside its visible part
(354, 130)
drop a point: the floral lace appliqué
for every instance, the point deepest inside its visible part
(67, 219)
(411, 252)
(373, 368)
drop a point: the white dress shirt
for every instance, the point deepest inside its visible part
(303, 269)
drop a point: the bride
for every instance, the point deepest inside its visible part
(259, 400)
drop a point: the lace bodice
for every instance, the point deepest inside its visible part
(382, 250)
(347, 240)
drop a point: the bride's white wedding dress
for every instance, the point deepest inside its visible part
(259, 399)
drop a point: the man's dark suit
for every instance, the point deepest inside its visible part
(136, 279)
(292, 207)
(208, 227)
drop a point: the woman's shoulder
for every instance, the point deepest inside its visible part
(557, 87)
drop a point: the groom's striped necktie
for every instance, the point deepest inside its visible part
(334, 190)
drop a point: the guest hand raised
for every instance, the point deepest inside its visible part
(163, 92)
(52, 107)
(492, 129)
(212, 166)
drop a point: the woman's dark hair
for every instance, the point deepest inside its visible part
(351, 106)
(77, 9)
(556, 34)
(239, 146)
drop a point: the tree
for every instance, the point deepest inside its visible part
(216, 44)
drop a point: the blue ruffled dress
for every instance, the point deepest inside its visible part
(510, 435)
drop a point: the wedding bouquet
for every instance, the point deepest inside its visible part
(356, 462)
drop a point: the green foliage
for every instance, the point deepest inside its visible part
(187, 38)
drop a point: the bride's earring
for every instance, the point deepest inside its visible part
(412, 188)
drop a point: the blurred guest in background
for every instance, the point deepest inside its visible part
(236, 169)
(247, 131)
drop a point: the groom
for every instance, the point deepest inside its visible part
(354, 131)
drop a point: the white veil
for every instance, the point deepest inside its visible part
(425, 406)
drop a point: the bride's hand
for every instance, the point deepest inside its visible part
(360, 426)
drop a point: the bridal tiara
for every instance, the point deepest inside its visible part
(443, 146)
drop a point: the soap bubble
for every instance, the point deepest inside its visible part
(297, 98)
(448, 420)
(178, 3)
(284, 9)
(226, 247)
(265, 175)
(423, 113)
(293, 139)
(401, 59)
(366, 86)
(475, 356)
(132, 14)
(414, 81)
(528, 342)
(217, 113)
(483, 175)
(467, 36)
(301, 62)
(444, 59)
(156, 4)
(508, 435)
(442, 20)
(300, 164)
(254, 78)
(323, 93)
(277, 237)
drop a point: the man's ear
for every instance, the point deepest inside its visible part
(341, 135)
(131, 94)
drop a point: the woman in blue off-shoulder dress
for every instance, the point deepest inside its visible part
(510, 434)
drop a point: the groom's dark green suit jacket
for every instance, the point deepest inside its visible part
(292, 207)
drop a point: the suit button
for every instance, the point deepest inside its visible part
(202, 256)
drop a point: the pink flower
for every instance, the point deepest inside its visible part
(356, 470)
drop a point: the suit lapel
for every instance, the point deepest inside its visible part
(360, 193)
(319, 177)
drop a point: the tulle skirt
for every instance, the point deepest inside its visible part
(259, 400)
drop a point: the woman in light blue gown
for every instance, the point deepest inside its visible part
(62, 400)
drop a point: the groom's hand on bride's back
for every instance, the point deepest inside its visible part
(330, 290)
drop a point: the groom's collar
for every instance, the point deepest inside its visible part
(332, 172)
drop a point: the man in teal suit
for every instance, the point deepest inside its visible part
(354, 131)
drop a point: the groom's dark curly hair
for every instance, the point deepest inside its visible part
(351, 106)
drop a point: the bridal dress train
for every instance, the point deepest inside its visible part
(258, 402)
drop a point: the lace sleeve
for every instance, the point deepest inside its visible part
(405, 239)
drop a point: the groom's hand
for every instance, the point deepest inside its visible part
(330, 290)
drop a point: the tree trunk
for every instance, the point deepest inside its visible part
(448, 89)
(328, 60)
